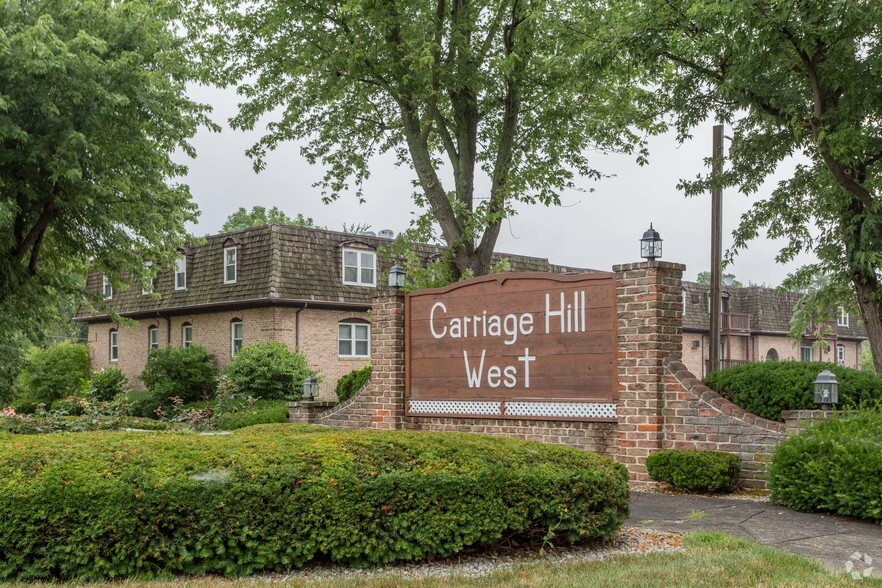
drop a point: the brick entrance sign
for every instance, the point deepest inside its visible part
(592, 361)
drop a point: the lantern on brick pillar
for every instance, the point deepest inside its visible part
(396, 277)
(826, 390)
(651, 244)
(310, 388)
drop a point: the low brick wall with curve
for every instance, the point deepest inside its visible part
(660, 403)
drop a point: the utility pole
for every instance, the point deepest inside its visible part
(716, 269)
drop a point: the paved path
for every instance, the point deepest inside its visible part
(829, 538)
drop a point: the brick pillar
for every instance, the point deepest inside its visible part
(386, 392)
(649, 332)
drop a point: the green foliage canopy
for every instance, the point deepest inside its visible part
(259, 216)
(502, 97)
(55, 372)
(789, 78)
(92, 107)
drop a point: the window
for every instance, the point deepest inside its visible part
(354, 339)
(684, 303)
(108, 289)
(237, 335)
(230, 265)
(114, 346)
(842, 319)
(181, 274)
(359, 267)
(772, 355)
(147, 288)
(186, 335)
(152, 338)
(805, 353)
(840, 355)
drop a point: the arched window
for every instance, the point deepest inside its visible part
(237, 336)
(152, 338)
(186, 335)
(114, 345)
(354, 338)
(772, 355)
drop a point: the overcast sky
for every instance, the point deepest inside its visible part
(596, 230)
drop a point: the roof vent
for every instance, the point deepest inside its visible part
(386, 234)
(368, 234)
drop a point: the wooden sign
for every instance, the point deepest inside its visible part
(514, 345)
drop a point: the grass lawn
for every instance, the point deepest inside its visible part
(713, 560)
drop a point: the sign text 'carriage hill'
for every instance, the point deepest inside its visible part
(514, 337)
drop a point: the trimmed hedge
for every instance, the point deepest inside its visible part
(833, 466)
(188, 373)
(351, 383)
(274, 497)
(689, 469)
(767, 388)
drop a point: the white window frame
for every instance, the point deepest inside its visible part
(684, 303)
(233, 338)
(107, 288)
(842, 319)
(840, 355)
(360, 265)
(811, 353)
(181, 270)
(351, 324)
(147, 288)
(113, 341)
(227, 264)
(152, 338)
(186, 341)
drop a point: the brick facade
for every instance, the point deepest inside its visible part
(661, 404)
(314, 330)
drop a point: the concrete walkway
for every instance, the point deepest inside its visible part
(829, 538)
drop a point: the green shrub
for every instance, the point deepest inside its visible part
(143, 404)
(187, 373)
(274, 497)
(352, 382)
(689, 469)
(260, 413)
(108, 384)
(833, 466)
(54, 372)
(767, 388)
(74, 424)
(268, 370)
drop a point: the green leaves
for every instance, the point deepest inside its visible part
(92, 108)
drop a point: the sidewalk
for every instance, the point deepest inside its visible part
(828, 538)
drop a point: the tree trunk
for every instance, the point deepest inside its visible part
(871, 313)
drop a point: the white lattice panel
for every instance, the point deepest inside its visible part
(455, 407)
(573, 410)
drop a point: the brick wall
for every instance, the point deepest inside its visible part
(318, 339)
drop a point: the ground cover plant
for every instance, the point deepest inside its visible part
(273, 497)
(767, 388)
(833, 466)
(689, 469)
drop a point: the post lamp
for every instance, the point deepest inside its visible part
(396, 277)
(651, 244)
(310, 388)
(826, 390)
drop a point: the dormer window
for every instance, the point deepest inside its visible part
(359, 267)
(230, 269)
(842, 319)
(181, 273)
(107, 287)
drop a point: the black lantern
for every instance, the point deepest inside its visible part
(396, 277)
(651, 244)
(310, 388)
(826, 390)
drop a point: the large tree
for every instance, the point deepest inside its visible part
(92, 108)
(490, 102)
(791, 78)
